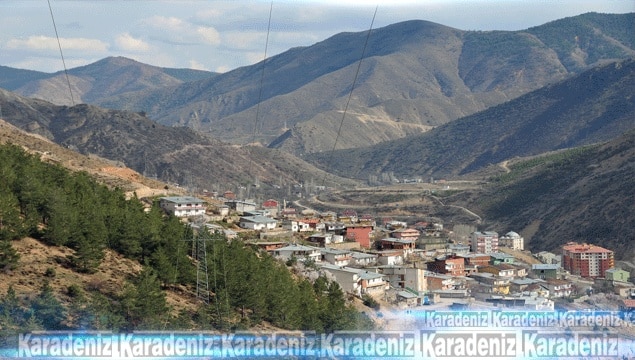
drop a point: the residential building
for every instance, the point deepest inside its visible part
(512, 240)
(501, 258)
(452, 265)
(359, 234)
(403, 277)
(476, 259)
(549, 257)
(436, 281)
(496, 284)
(298, 252)
(258, 223)
(241, 206)
(408, 298)
(545, 271)
(372, 283)
(272, 206)
(390, 257)
(484, 242)
(363, 259)
(336, 256)
(182, 206)
(459, 249)
(357, 281)
(407, 245)
(558, 288)
(502, 270)
(347, 278)
(587, 260)
(406, 234)
(617, 274)
(268, 246)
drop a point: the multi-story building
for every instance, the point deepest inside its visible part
(182, 206)
(454, 266)
(512, 240)
(484, 242)
(587, 260)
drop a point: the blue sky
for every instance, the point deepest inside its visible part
(223, 35)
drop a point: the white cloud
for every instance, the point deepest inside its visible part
(40, 42)
(223, 68)
(209, 35)
(127, 42)
(175, 30)
(197, 65)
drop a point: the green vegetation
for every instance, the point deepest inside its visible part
(60, 208)
(554, 159)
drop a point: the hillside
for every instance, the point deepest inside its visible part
(108, 77)
(414, 75)
(584, 194)
(172, 154)
(594, 106)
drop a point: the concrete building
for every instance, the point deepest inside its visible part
(182, 206)
(451, 265)
(258, 223)
(512, 240)
(587, 260)
(402, 277)
(617, 274)
(336, 256)
(484, 242)
(545, 271)
(298, 252)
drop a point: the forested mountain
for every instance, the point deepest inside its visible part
(70, 210)
(594, 106)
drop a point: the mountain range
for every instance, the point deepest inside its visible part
(413, 76)
(430, 101)
(595, 106)
(178, 155)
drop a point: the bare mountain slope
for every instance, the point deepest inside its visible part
(414, 75)
(584, 194)
(108, 77)
(172, 154)
(595, 106)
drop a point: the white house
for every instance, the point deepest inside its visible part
(258, 222)
(363, 259)
(357, 281)
(182, 206)
(406, 277)
(298, 252)
(336, 256)
(347, 278)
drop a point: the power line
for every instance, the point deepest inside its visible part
(59, 44)
(262, 79)
(350, 94)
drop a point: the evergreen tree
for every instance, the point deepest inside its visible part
(48, 309)
(8, 256)
(145, 306)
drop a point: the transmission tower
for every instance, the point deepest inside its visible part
(199, 253)
(202, 280)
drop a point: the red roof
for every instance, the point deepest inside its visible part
(584, 248)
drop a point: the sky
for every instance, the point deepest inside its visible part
(222, 35)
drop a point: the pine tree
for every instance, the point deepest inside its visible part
(144, 303)
(8, 256)
(48, 309)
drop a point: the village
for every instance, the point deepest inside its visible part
(422, 265)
